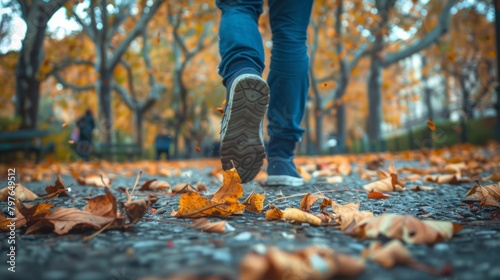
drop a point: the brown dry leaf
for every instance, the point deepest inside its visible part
(94, 180)
(390, 184)
(351, 219)
(455, 168)
(136, 209)
(58, 189)
(388, 255)
(493, 177)
(6, 222)
(223, 203)
(207, 226)
(394, 253)
(194, 205)
(154, 185)
(339, 209)
(364, 175)
(413, 170)
(183, 188)
(22, 193)
(231, 189)
(377, 195)
(62, 220)
(412, 178)
(307, 201)
(325, 203)
(200, 187)
(274, 213)
(418, 188)
(306, 176)
(431, 125)
(406, 228)
(312, 262)
(326, 218)
(345, 169)
(254, 202)
(299, 216)
(488, 195)
(102, 205)
(34, 211)
(446, 179)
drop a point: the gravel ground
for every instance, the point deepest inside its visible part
(160, 246)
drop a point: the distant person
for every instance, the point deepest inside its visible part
(86, 125)
(162, 144)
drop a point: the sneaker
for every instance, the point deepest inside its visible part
(242, 142)
(282, 172)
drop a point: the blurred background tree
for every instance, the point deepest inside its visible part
(379, 70)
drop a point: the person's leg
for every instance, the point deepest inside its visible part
(158, 154)
(240, 42)
(289, 83)
(242, 53)
(167, 155)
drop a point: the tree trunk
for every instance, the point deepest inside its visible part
(374, 100)
(139, 126)
(36, 14)
(341, 129)
(497, 104)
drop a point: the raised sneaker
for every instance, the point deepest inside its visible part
(242, 142)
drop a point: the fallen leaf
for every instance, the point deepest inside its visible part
(58, 189)
(155, 185)
(102, 205)
(194, 205)
(183, 188)
(306, 176)
(431, 125)
(231, 189)
(274, 213)
(207, 226)
(64, 125)
(446, 179)
(418, 188)
(200, 187)
(493, 177)
(307, 201)
(389, 184)
(312, 262)
(94, 180)
(254, 202)
(377, 195)
(62, 220)
(136, 209)
(404, 227)
(299, 216)
(21, 192)
(339, 209)
(488, 195)
(351, 219)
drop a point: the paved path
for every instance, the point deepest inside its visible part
(156, 246)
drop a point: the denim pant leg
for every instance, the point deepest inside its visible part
(289, 74)
(240, 42)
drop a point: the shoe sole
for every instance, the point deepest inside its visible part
(242, 145)
(284, 180)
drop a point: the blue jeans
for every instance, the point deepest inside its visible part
(240, 47)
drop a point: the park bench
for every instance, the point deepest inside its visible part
(118, 150)
(28, 141)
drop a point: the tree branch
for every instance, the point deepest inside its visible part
(142, 24)
(124, 95)
(74, 87)
(431, 37)
(86, 28)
